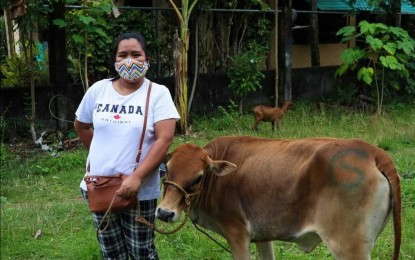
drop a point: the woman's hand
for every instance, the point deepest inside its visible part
(129, 187)
(164, 133)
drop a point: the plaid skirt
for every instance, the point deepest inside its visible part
(125, 238)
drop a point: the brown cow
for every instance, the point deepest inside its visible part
(339, 191)
(270, 114)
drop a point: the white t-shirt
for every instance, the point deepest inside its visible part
(118, 123)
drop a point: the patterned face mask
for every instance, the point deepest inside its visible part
(131, 69)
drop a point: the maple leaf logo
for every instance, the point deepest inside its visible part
(117, 116)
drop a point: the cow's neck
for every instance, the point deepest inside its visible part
(201, 205)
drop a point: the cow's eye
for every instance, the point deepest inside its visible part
(197, 180)
(194, 184)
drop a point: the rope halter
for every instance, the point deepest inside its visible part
(187, 196)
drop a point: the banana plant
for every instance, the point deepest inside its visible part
(181, 47)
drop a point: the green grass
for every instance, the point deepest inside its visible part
(40, 192)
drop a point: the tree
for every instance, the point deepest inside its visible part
(85, 24)
(230, 43)
(383, 49)
(244, 72)
(28, 18)
(181, 47)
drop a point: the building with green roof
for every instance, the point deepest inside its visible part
(333, 15)
(360, 5)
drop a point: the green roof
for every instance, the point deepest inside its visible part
(407, 8)
(343, 5)
(333, 5)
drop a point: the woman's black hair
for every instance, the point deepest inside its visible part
(131, 35)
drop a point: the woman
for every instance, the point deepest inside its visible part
(109, 122)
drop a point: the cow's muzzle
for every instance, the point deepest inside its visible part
(163, 215)
(170, 216)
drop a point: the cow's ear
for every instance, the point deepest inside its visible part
(221, 168)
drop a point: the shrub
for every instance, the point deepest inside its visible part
(381, 51)
(244, 72)
(16, 70)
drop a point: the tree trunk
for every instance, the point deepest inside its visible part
(288, 51)
(396, 9)
(195, 66)
(180, 74)
(276, 53)
(58, 70)
(28, 56)
(240, 107)
(315, 52)
(206, 43)
(9, 33)
(86, 86)
(181, 46)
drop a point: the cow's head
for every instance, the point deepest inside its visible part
(187, 167)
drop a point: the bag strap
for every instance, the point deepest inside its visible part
(144, 124)
(137, 159)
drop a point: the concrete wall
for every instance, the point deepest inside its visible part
(211, 91)
(329, 55)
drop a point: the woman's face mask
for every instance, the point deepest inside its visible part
(130, 69)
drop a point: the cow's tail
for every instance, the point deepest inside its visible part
(386, 166)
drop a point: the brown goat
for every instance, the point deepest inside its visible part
(270, 114)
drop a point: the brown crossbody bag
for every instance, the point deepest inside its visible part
(102, 196)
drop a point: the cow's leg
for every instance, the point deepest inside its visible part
(239, 249)
(238, 240)
(255, 127)
(350, 238)
(355, 237)
(354, 240)
(273, 125)
(265, 250)
(350, 250)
